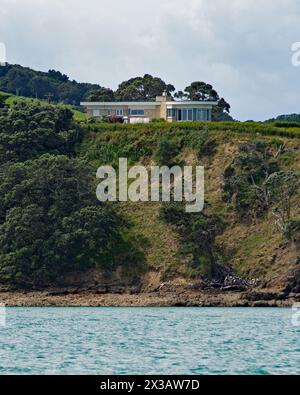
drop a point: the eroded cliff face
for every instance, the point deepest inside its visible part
(253, 254)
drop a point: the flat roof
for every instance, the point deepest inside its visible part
(192, 103)
(148, 103)
(121, 103)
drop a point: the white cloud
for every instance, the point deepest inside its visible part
(242, 47)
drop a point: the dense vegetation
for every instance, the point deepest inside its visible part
(57, 87)
(53, 85)
(51, 223)
(257, 187)
(50, 220)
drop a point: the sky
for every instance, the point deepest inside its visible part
(241, 47)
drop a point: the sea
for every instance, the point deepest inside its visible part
(128, 341)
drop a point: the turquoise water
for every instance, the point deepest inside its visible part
(149, 341)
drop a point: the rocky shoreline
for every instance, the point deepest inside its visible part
(180, 298)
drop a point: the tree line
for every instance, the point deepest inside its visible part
(50, 220)
(57, 87)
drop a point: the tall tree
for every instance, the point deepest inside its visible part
(101, 95)
(199, 91)
(143, 89)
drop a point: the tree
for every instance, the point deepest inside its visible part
(166, 152)
(24, 81)
(29, 130)
(51, 222)
(198, 232)
(40, 87)
(282, 187)
(201, 91)
(58, 76)
(221, 111)
(142, 89)
(17, 81)
(245, 180)
(3, 99)
(101, 95)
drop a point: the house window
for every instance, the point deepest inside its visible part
(96, 113)
(190, 115)
(201, 114)
(172, 113)
(184, 114)
(136, 112)
(109, 112)
(119, 112)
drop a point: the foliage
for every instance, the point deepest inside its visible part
(142, 89)
(50, 221)
(198, 232)
(158, 120)
(286, 118)
(245, 180)
(257, 185)
(287, 124)
(3, 99)
(282, 187)
(31, 129)
(54, 85)
(101, 95)
(201, 91)
(166, 152)
(202, 142)
(292, 231)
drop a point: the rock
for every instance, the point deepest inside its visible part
(297, 261)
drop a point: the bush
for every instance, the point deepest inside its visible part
(51, 222)
(166, 152)
(158, 120)
(29, 130)
(292, 231)
(198, 232)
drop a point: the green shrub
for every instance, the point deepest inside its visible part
(166, 153)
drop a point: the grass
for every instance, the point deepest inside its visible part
(11, 99)
(249, 247)
(254, 128)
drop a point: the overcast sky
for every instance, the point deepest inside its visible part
(242, 47)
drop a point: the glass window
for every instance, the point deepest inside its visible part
(172, 113)
(119, 112)
(194, 114)
(200, 114)
(96, 113)
(190, 115)
(184, 114)
(137, 112)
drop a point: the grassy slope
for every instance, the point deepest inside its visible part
(254, 250)
(78, 115)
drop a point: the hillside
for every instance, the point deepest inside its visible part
(148, 247)
(253, 248)
(24, 81)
